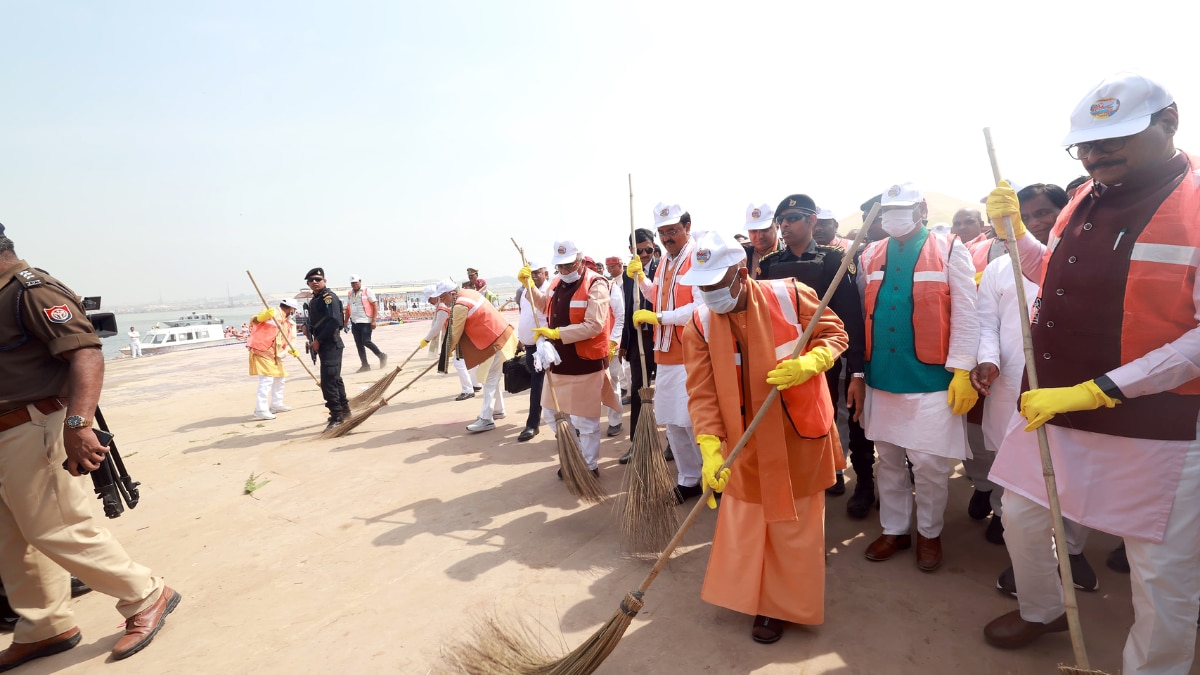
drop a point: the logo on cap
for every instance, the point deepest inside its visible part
(703, 255)
(1105, 108)
(791, 202)
(755, 213)
(664, 212)
(894, 191)
(562, 250)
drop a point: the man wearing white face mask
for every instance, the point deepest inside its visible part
(767, 556)
(922, 336)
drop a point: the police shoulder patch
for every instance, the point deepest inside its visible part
(29, 278)
(770, 255)
(328, 300)
(58, 313)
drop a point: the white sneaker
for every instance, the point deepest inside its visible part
(280, 408)
(481, 425)
(263, 415)
(498, 416)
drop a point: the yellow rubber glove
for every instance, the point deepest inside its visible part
(634, 270)
(548, 333)
(962, 396)
(645, 316)
(1003, 202)
(424, 344)
(791, 372)
(978, 277)
(294, 353)
(1039, 405)
(612, 348)
(710, 451)
(525, 277)
(265, 315)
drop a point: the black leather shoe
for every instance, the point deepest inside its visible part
(668, 455)
(838, 488)
(624, 459)
(980, 505)
(685, 492)
(859, 504)
(79, 588)
(1117, 560)
(364, 368)
(478, 387)
(995, 531)
(527, 434)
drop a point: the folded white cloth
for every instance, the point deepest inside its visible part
(546, 354)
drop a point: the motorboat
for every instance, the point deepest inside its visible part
(187, 332)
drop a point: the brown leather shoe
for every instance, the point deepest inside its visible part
(886, 546)
(1011, 631)
(24, 652)
(141, 628)
(929, 553)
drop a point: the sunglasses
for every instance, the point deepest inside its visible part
(312, 279)
(645, 250)
(792, 218)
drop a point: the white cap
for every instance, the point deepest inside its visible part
(290, 302)
(940, 228)
(666, 215)
(711, 259)
(445, 286)
(535, 265)
(1121, 105)
(430, 291)
(564, 252)
(904, 194)
(825, 214)
(354, 278)
(759, 217)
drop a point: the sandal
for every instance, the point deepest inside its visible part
(767, 630)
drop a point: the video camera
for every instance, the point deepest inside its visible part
(104, 323)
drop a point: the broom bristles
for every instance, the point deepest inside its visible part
(576, 475)
(514, 650)
(355, 420)
(646, 507)
(1072, 670)
(375, 392)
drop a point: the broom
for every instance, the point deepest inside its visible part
(646, 506)
(360, 417)
(498, 649)
(280, 326)
(375, 392)
(1060, 539)
(579, 479)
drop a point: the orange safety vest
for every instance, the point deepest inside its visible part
(595, 347)
(1159, 307)
(931, 296)
(979, 247)
(263, 335)
(808, 405)
(484, 322)
(368, 306)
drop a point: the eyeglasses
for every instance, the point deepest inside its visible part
(672, 231)
(313, 279)
(646, 251)
(1081, 150)
(792, 218)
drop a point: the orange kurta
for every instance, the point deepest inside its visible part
(761, 564)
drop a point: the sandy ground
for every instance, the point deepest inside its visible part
(366, 554)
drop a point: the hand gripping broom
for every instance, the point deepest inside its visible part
(579, 479)
(500, 649)
(646, 506)
(280, 326)
(360, 417)
(374, 392)
(1060, 537)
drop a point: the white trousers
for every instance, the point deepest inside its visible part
(135, 348)
(687, 454)
(1164, 578)
(493, 395)
(589, 434)
(614, 374)
(980, 465)
(270, 394)
(625, 381)
(465, 377)
(932, 475)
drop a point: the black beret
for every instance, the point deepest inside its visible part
(866, 206)
(315, 272)
(802, 202)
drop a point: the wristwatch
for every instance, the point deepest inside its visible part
(77, 422)
(858, 376)
(658, 318)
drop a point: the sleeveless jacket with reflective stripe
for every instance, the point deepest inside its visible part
(596, 347)
(484, 322)
(808, 406)
(931, 296)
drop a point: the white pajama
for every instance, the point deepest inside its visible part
(270, 394)
(932, 474)
(589, 434)
(614, 374)
(493, 394)
(670, 409)
(465, 377)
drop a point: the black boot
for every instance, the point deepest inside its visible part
(859, 504)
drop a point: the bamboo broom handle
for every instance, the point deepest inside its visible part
(1060, 538)
(280, 326)
(766, 404)
(537, 324)
(637, 290)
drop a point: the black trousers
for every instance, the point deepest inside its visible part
(635, 373)
(536, 378)
(332, 387)
(362, 340)
(862, 450)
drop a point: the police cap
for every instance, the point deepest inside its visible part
(315, 272)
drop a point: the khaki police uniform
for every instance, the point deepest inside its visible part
(47, 528)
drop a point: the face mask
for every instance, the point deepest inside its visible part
(570, 278)
(898, 223)
(721, 300)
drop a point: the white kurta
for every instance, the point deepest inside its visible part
(1001, 344)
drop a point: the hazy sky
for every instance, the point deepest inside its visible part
(160, 149)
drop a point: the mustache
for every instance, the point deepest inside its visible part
(1103, 164)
